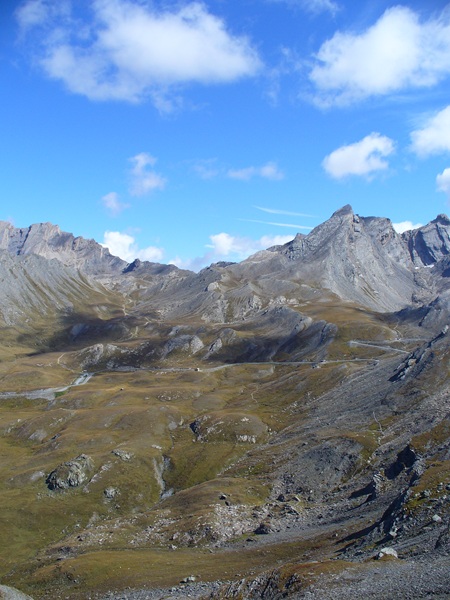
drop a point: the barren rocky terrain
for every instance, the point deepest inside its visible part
(274, 428)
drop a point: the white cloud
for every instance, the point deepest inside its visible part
(125, 246)
(443, 182)
(192, 264)
(130, 50)
(274, 240)
(405, 226)
(267, 171)
(143, 178)
(361, 158)
(112, 203)
(434, 137)
(224, 246)
(397, 52)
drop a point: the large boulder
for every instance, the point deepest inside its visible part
(72, 473)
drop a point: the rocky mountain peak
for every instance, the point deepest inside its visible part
(361, 259)
(441, 219)
(344, 211)
(430, 243)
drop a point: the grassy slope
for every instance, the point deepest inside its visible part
(148, 414)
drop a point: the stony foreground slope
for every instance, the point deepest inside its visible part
(278, 427)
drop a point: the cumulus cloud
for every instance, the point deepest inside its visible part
(143, 178)
(405, 226)
(268, 171)
(362, 158)
(224, 246)
(113, 205)
(434, 137)
(125, 246)
(443, 182)
(397, 52)
(130, 51)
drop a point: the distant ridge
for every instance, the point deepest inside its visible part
(359, 259)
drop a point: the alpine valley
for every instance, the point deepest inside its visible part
(275, 428)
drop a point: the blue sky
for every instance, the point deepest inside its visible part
(192, 132)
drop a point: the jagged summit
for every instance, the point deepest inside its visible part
(345, 210)
(430, 243)
(441, 219)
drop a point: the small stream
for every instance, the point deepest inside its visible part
(47, 393)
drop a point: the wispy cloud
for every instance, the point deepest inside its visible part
(398, 52)
(125, 247)
(318, 6)
(291, 225)
(434, 137)
(362, 158)
(113, 205)
(131, 51)
(33, 14)
(207, 168)
(143, 178)
(211, 168)
(277, 211)
(312, 6)
(268, 171)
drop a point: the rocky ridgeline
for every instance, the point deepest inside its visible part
(48, 241)
(361, 259)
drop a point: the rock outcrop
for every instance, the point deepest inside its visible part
(72, 473)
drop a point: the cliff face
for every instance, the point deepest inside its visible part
(431, 243)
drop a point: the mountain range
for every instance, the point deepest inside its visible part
(261, 429)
